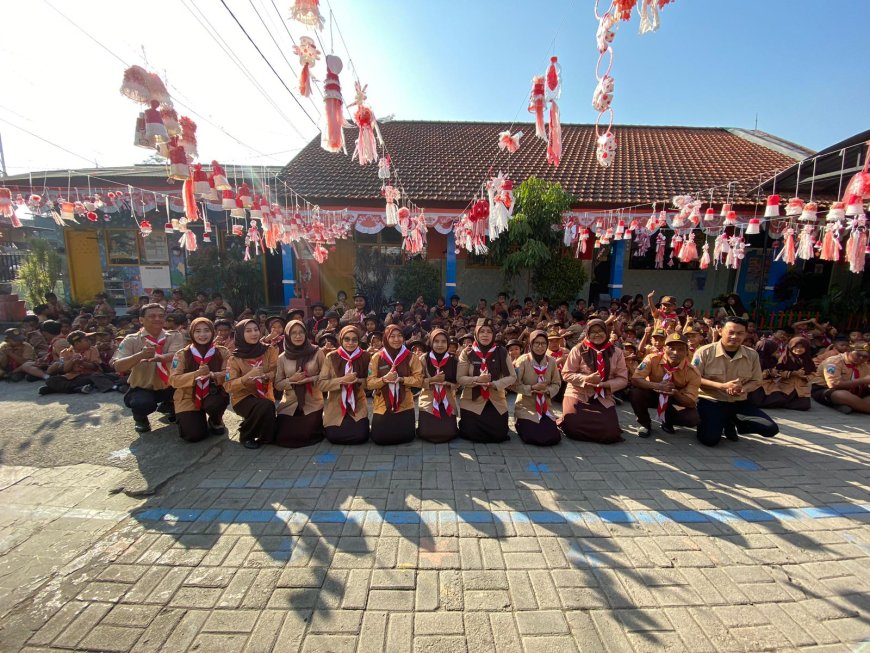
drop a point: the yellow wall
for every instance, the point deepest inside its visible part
(86, 272)
(336, 273)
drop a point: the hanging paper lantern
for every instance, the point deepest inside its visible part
(145, 228)
(169, 118)
(206, 238)
(794, 207)
(809, 212)
(142, 86)
(178, 166)
(67, 210)
(754, 227)
(709, 215)
(155, 130)
(771, 210)
(199, 177)
(837, 212)
(228, 200)
(332, 135)
(188, 138)
(244, 195)
(726, 208)
(384, 167)
(220, 178)
(308, 56)
(307, 12)
(239, 210)
(730, 218)
(168, 228)
(536, 106)
(552, 93)
(854, 205)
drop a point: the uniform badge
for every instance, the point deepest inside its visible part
(227, 376)
(174, 363)
(697, 361)
(642, 366)
(832, 370)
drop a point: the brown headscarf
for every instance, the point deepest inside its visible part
(216, 361)
(302, 355)
(791, 362)
(767, 349)
(538, 333)
(403, 368)
(360, 365)
(244, 349)
(590, 353)
(449, 368)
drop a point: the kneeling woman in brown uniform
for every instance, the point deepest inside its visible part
(250, 377)
(538, 382)
(595, 369)
(392, 372)
(438, 408)
(300, 413)
(485, 373)
(343, 378)
(197, 374)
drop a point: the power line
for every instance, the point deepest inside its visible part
(45, 140)
(269, 63)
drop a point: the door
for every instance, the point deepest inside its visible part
(336, 273)
(85, 270)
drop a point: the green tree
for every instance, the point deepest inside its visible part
(371, 276)
(40, 271)
(240, 282)
(415, 278)
(532, 245)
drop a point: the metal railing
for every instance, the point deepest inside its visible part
(9, 264)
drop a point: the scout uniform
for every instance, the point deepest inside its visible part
(79, 370)
(199, 403)
(438, 407)
(253, 400)
(834, 370)
(346, 411)
(300, 413)
(534, 420)
(393, 409)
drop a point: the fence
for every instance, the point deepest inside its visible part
(779, 319)
(9, 264)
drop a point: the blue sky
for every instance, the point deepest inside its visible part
(712, 63)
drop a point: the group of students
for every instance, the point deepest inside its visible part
(295, 381)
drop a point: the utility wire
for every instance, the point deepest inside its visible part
(52, 143)
(269, 63)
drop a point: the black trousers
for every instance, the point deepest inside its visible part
(716, 416)
(192, 425)
(259, 419)
(643, 400)
(144, 402)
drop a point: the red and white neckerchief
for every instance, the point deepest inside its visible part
(664, 399)
(200, 391)
(542, 406)
(162, 372)
(348, 396)
(484, 369)
(394, 388)
(559, 357)
(600, 366)
(50, 357)
(667, 318)
(262, 385)
(856, 374)
(439, 392)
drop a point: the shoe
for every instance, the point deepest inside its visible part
(45, 390)
(251, 444)
(644, 432)
(165, 408)
(170, 417)
(142, 425)
(731, 433)
(667, 428)
(216, 428)
(843, 408)
(86, 389)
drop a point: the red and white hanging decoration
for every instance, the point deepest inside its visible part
(307, 12)
(536, 106)
(499, 190)
(332, 134)
(552, 93)
(509, 142)
(308, 55)
(369, 134)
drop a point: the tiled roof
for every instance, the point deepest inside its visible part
(444, 163)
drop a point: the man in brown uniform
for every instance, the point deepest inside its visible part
(147, 355)
(17, 358)
(729, 371)
(669, 384)
(842, 380)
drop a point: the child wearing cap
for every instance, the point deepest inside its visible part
(78, 369)
(18, 359)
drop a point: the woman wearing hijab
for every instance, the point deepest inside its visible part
(733, 307)
(595, 369)
(438, 407)
(787, 377)
(484, 372)
(197, 374)
(343, 378)
(300, 413)
(250, 377)
(393, 371)
(538, 382)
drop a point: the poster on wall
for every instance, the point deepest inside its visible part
(155, 276)
(154, 249)
(122, 247)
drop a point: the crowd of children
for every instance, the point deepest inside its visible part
(298, 377)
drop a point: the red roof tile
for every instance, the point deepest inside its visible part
(442, 164)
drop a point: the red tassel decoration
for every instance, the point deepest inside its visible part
(308, 56)
(191, 211)
(787, 253)
(553, 90)
(536, 106)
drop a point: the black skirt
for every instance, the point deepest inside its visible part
(393, 428)
(435, 429)
(489, 426)
(299, 429)
(591, 422)
(544, 433)
(258, 421)
(350, 431)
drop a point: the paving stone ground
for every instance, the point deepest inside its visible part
(649, 545)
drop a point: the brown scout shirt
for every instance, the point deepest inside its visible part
(425, 398)
(379, 367)
(834, 370)
(714, 364)
(313, 393)
(144, 375)
(524, 408)
(240, 387)
(184, 381)
(497, 388)
(73, 369)
(685, 378)
(575, 371)
(329, 383)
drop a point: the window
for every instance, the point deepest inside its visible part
(388, 241)
(122, 247)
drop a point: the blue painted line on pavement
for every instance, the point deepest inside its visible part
(746, 465)
(400, 517)
(326, 458)
(539, 468)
